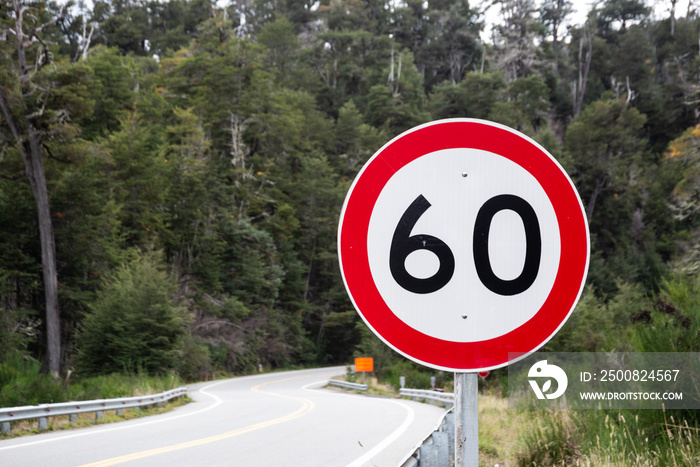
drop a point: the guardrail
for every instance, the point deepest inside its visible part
(437, 449)
(347, 385)
(43, 411)
(435, 397)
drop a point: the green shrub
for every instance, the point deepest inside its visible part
(194, 362)
(134, 323)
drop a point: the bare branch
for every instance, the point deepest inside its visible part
(33, 35)
(630, 92)
(584, 65)
(220, 322)
(16, 176)
(84, 41)
(40, 29)
(52, 156)
(37, 113)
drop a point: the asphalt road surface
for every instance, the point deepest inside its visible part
(273, 419)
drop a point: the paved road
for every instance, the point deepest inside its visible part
(275, 419)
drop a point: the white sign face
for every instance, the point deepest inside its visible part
(462, 243)
(464, 309)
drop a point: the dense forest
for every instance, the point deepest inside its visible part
(172, 172)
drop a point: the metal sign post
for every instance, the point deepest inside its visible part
(466, 420)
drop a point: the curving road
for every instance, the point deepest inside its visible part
(274, 419)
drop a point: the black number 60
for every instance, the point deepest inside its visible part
(403, 244)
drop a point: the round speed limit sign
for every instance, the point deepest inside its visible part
(461, 241)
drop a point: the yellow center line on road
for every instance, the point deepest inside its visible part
(306, 407)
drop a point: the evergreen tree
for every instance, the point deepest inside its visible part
(134, 323)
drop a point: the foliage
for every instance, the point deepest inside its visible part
(597, 325)
(671, 322)
(134, 323)
(227, 137)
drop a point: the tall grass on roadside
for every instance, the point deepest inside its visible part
(23, 383)
(553, 440)
(615, 439)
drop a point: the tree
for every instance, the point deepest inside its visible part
(623, 11)
(398, 105)
(605, 146)
(134, 323)
(112, 91)
(553, 13)
(584, 57)
(125, 25)
(684, 155)
(137, 177)
(452, 45)
(517, 54)
(282, 44)
(25, 98)
(604, 141)
(473, 97)
(526, 106)
(355, 141)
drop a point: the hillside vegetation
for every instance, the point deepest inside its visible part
(171, 173)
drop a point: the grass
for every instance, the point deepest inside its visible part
(583, 438)
(497, 436)
(607, 438)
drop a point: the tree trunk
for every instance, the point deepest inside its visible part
(599, 184)
(673, 17)
(555, 46)
(584, 65)
(37, 180)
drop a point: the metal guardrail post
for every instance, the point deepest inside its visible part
(429, 456)
(448, 427)
(438, 448)
(345, 384)
(441, 440)
(435, 454)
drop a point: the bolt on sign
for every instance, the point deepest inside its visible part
(461, 241)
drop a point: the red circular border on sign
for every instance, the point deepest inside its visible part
(354, 260)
